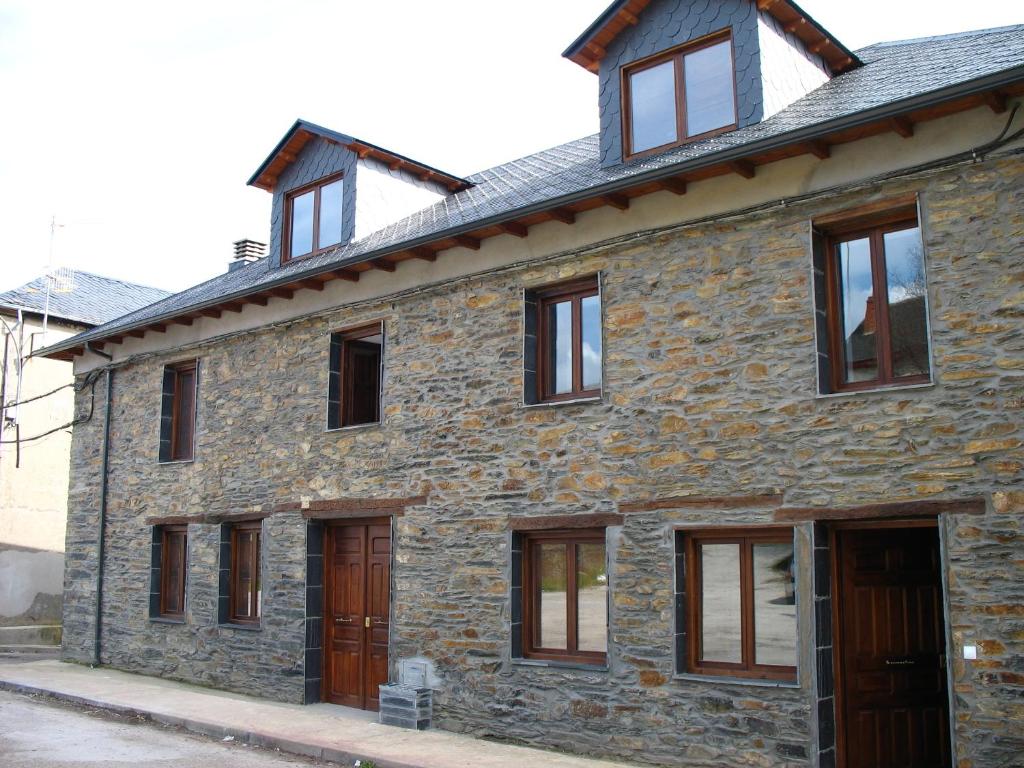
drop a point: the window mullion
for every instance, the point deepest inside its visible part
(577, 345)
(747, 602)
(680, 97)
(316, 220)
(571, 607)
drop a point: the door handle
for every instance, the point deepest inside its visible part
(900, 662)
(366, 622)
(343, 621)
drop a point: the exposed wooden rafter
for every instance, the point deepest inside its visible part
(514, 228)
(744, 168)
(904, 126)
(616, 201)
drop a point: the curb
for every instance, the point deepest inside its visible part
(216, 730)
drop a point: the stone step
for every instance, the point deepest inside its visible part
(45, 634)
(26, 649)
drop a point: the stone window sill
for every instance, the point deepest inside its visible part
(875, 390)
(242, 627)
(175, 463)
(165, 620)
(355, 427)
(560, 665)
(727, 680)
(560, 403)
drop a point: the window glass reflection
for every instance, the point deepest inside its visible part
(592, 598)
(721, 623)
(591, 309)
(301, 239)
(560, 348)
(652, 94)
(774, 605)
(710, 102)
(330, 214)
(553, 584)
(908, 323)
(858, 310)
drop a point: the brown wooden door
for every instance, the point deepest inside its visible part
(357, 599)
(894, 706)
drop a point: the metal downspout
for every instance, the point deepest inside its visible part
(102, 522)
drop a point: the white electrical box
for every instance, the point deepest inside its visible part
(970, 652)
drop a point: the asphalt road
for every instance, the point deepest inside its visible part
(38, 733)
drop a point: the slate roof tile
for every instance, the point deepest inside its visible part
(92, 300)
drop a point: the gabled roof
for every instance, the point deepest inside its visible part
(91, 299)
(288, 148)
(900, 83)
(589, 48)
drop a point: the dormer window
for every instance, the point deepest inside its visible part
(313, 218)
(679, 95)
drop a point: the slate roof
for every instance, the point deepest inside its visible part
(896, 77)
(93, 299)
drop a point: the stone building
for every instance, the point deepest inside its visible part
(694, 442)
(37, 405)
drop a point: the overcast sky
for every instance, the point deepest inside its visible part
(137, 124)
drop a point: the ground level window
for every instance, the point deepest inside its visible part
(740, 603)
(245, 588)
(170, 563)
(565, 596)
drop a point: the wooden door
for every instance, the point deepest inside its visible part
(893, 707)
(357, 604)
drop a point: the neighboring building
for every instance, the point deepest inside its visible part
(36, 434)
(614, 455)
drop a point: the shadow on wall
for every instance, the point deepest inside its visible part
(31, 585)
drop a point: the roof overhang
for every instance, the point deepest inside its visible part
(744, 160)
(589, 48)
(302, 132)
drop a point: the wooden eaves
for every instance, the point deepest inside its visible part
(589, 48)
(744, 160)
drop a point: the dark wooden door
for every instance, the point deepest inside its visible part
(362, 383)
(892, 649)
(357, 600)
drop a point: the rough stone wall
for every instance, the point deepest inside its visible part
(709, 389)
(317, 159)
(667, 23)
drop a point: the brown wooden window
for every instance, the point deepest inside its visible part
(568, 349)
(740, 603)
(354, 381)
(875, 301)
(565, 596)
(246, 589)
(178, 412)
(679, 96)
(314, 218)
(173, 568)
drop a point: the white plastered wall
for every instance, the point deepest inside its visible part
(384, 196)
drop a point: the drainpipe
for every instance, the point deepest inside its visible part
(102, 523)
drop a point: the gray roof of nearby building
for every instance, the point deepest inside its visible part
(91, 300)
(896, 77)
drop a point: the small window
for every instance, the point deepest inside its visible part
(178, 412)
(566, 349)
(740, 603)
(245, 589)
(313, 218)
(170, 560)
(679, 96)
(875, 303)
(565, 596)
(354, 386)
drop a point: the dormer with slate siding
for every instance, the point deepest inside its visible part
(728, 64)
(331, 189)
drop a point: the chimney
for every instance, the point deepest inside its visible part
(246, 252)
(869, 316)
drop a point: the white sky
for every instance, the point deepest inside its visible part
(137, 124)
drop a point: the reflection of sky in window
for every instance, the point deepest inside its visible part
(591, 308)
(563, 346)
(710, 102)
(302, 224)
(855, 282)
(330, 214)
(904, 265)
(653, 106)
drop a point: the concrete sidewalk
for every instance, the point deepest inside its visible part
(321, 731)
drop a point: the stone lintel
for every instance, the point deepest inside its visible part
(925, 508)
(703, 502)
(324, 509)
(549, 522)
(211, 519)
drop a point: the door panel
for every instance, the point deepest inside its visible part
(892, 649)
(357, 608)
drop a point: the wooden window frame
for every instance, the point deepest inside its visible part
(338, 420)
(531, 597)
(248, 526)
(872, 227)
(165, 585)
(186, 452)
(676, 54)
(575, 291)
(745, 539)
(289, 198)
